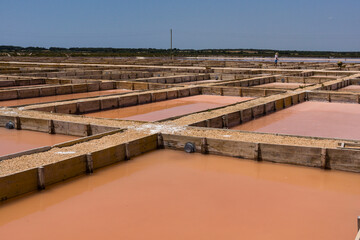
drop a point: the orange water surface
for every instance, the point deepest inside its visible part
(315, 119)
(18, 102)
(13, 141)
(171, 108)
(173, 195)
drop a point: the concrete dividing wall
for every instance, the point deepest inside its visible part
(333, 73)
(306, 156)
(108, 156)
(231, 76)
(21, 82)
(121, 72)
(54, 90)
(6, 119)
(63, 170)
(233, 71)
(133, 85)
(55, 126)
(106, 74)
(355, 81)
(338, 159)
(333, 96)
(61, 145)
(174, 79)
(305, 80)
(248, 82)
(231, 148)
(40, 125)
(119, 101)
(337, 85)
(239, 91)
(344, 159)
(33, 179)
(235, 118)
(18, 184)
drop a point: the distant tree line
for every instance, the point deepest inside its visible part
(153, 52)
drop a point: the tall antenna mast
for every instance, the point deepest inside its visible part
(171, 43)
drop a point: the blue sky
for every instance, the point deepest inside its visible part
(264, 24)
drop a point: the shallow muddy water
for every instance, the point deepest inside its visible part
(171, 108)
(18, 102)
(13, 141)
(316, 119)
(173, 195)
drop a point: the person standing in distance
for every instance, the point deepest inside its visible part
(276, 58)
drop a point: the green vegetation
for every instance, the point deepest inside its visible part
(152, 52)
